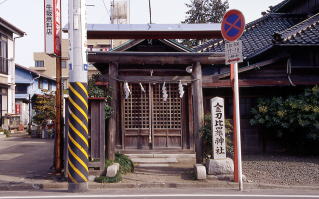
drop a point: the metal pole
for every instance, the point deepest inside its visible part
(234, 124)
(236, 89)
(150, 10)
(58, 109)
(78, 99)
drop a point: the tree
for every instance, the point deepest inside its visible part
(44, 106)
(204, 11)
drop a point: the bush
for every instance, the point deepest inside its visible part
(206, 134)
(126, 166)
(294, 120)
(44, 106)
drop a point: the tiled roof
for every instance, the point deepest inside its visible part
(34, 72)
(258, 35)
(280, 5)
(304, 33)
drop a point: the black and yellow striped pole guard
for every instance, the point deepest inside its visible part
(78, 133)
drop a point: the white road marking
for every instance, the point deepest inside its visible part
(161, 195)
(10, 156)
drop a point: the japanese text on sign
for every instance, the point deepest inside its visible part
(218, 128)
(52, 24)
(233, 52)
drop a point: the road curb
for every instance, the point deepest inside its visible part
(93, 185)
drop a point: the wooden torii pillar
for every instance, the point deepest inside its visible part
(113, 74)
(198, 108)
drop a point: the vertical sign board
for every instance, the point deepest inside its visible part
(52, 27)
(218, 128)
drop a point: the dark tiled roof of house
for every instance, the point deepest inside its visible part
(258, 35)
(280, 5)
(304, 33)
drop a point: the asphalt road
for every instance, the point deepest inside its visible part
(165, 194)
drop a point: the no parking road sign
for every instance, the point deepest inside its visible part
(233, 25)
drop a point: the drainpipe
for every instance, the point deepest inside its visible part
(289, 72)
(12, 82)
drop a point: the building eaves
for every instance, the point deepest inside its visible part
(280, 5)
(11, 27)
(304, 33)
(126, 45)
(258, 35)
(176, 44)
(34, 72)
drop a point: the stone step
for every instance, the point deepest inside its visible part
(152, 165)
(159, 155)
(154, 160)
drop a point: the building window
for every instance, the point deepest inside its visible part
(39, 63)
(49, 86)
(40, 84)
(3, 55)
(90, 47)
(21, 89)
(63, 64)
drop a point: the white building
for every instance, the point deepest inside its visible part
(8, 35)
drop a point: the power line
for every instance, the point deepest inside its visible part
(3, 1)
(108, 12)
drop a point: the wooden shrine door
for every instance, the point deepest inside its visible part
(149, 122)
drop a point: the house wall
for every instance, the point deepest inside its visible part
(26, 78)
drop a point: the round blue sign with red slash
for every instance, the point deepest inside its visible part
(233, 25)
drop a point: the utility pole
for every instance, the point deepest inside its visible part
(58, 110)
(78, 99)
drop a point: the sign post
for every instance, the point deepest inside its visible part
(53, 35)
(233, 26)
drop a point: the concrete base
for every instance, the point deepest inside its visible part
(77, 188)
(112, 170)
(220, 167)
(200, 172)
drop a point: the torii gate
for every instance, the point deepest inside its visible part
(156, 31)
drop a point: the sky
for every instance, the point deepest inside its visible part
(27, 15)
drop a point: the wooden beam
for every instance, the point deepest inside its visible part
(254, 83)
(154, 78)
(254, 66)
(160, 58)
(198, 110)
(113, 73)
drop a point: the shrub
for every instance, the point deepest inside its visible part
(206, 134)
(294, 120)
